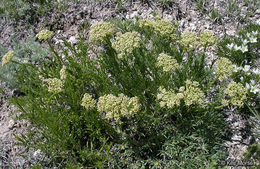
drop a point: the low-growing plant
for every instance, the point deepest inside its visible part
(28, 11)
(29, 51)
(135, 95)
(242, 50)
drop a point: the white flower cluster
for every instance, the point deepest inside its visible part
(7, 57)
(99, 31)
(160, 26)
(169, 98)
(44, 35)
(236, 93)
(126, 43)
(167, 63)
(191, 94)
(88, 102)
(55, 85)
(251, 38)
(247, 69)
(223, 68)
(116, 107)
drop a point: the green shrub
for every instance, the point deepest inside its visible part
(137, 95)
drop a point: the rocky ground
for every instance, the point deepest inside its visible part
(66, 24)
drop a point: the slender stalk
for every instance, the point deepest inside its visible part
(212, 83)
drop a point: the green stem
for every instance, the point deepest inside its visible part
(212, 83)
(49, 101)
(205, 47)
(219, 107)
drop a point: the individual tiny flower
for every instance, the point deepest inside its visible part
(246, 68)
(255, 90)
(252, 82)
(207, 38)
(248, 86)
(252, 39)
(254, 33)
(252, 36)
(44, 35)
(55, 85)
(126, 43)
(63, 74)
(245, 42)
(244, 48)
(230, 46)
(122, 147)
(237, 48)
(253, 87)
(237, 94)
(223, 68)
(41, 78)
(167, 63)
(7, 57)
(99, 31)
(88, 102)
(258, 22)
(237, 68)
(256, 71)
(248, 34)
(189, 40)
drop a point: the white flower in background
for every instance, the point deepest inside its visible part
(253, 87)
(237, 68)
(252, 36)
(252, 82)
(245, 41)
(248, 34)
(258, 22)
(252, 39)
(237, 47)
(230, 46)
(243, 48)
(246, 68)
(256, 71)
(248, 86)
(255, 33)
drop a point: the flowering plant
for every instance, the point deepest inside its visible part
(136, 89)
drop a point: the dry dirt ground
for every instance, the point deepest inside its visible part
(66, 24)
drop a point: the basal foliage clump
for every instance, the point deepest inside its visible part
(145, 98)
(28, 51)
